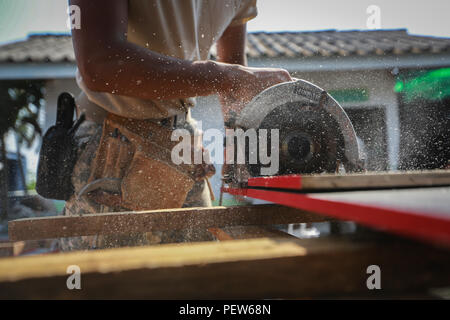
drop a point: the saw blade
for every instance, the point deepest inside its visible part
(315, 133)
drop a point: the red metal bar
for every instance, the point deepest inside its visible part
(425, 226)
(293, 181)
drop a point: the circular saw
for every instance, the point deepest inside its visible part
(315, 135)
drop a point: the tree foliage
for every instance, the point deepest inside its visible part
(20, 103)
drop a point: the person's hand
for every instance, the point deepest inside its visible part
(244, 83)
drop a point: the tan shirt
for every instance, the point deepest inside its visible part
(185, 29)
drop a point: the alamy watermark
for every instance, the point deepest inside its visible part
(374, 280)
(241, 147)
(74, 280)
(374, 18)
(74, 17)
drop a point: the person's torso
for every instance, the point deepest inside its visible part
(184, 29)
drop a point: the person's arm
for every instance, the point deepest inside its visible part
(109, 63)
(231, 49)
(231, 45)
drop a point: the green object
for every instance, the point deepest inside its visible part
(59, 204)
(229, 202)
(350, 95)
(429, 85)
(31, 186)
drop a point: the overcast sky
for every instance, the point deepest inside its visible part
(20, 17)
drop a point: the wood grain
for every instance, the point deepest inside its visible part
(11, 248)
(247, 232)
(368, 180)
(256, 268)
(156, 220)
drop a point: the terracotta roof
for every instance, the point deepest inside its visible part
(342, 43)
(39, 48)
(58, 48)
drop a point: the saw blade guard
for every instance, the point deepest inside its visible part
(315, 133)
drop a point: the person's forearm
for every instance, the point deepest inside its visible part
(131, 70)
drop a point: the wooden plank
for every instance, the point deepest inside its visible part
(156, 220)
(11, 248)
(220, 234)
(369, 180)
(430, 222)
(247, 232)
(256, 268)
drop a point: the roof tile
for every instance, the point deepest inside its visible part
(58, 48)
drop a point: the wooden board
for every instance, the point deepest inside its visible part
(369, 180)
(256, 268)
(157, 220)
(247, 232)
(11, 248)
(422, 213)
